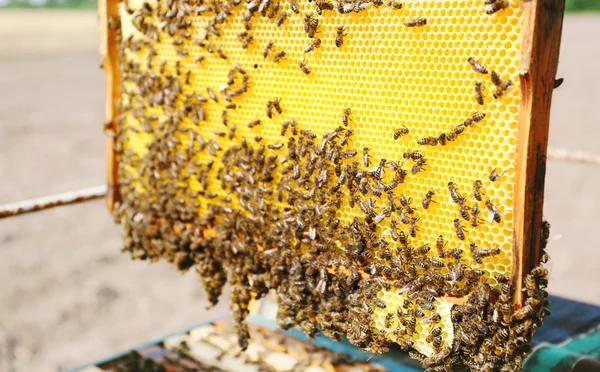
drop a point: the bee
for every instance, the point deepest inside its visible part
(304, 67)
(422, 250)
(427, 199)
(463, 209)
(224, 117)
(433, 318)
(270, 106)
(459, 129)
(380, 303)
(231, 132)
(366, 157)
(394, 230)
(310, 25)
(488, 252)
(416, 22)
(339, 36)
(416, 168)
(406, 204)
(413, 155)
(264, 6)
(496, 6)
(393, 4)
(220, 52)
(439, 245)
(388, 320)
(253, 123)
(493, 211)
(282, 17)
(163, 65)
(212, 94)
(475, 219)
(273, 10)
(268, 48)
(494, 176)
(503, 88)
(346, 137)
(477, 66)
(315, 43)
(199, 60)
(278, 56)
(346, 116)
(400, 132)
(413, 228)
(321, 5)
(454, 194)
(246, 41)
(294, 6)
(476, 117)
(442, 139)
(275, 146)
(430, 140)
(496, 79)
(479, 93)
(460, 232)
(477, 185)
(276, 105)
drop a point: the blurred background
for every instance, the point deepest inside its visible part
(67, 294)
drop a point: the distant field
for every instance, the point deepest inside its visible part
(571, 5)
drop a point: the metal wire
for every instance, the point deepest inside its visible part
(57, 200)
(96, 192)
(555, 153)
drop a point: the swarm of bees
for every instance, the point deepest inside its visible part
(271, 213)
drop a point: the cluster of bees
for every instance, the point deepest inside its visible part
(268, 216)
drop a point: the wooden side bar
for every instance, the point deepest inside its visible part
(540, 45)
(110, 62)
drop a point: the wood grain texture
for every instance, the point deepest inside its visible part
(110, 62)
(540, 45)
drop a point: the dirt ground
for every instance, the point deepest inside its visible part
(67, 295)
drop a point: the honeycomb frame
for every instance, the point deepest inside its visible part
(532, 125)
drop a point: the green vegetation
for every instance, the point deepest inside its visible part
(582, 5)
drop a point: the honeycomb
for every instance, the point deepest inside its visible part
(391, 85)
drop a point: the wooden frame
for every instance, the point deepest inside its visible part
(540, 43)
(112, 76)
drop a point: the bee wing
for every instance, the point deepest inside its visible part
(554, 238)
(490, 215)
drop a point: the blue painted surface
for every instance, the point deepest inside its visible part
(568, 319)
